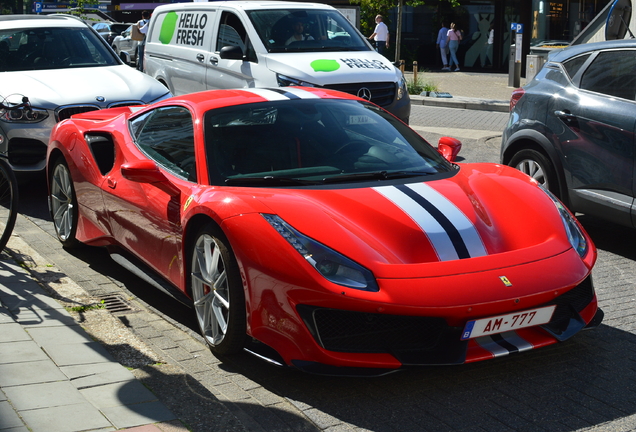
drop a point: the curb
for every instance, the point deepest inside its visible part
(462, 103)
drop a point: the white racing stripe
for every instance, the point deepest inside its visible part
(504, 343)
(282, 93)
(466, 228)
(451, 233)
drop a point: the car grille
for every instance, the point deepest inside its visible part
(382, 93)
(415, 339)
(65, 112)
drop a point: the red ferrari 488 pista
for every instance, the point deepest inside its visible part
(316, 230)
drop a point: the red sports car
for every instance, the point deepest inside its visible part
(315, 230)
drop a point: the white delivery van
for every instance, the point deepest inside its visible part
(241, 44)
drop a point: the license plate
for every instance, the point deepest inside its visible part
(503, 323)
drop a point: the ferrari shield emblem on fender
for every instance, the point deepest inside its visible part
(505, 281)
(187, 203)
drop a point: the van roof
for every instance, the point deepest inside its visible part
(245, 5)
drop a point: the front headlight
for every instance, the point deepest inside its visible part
(575, 235)
(402, 88)
(285, 81)
(333, 266)
(23, 115)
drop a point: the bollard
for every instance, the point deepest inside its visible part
(414, 72)
(402, 66)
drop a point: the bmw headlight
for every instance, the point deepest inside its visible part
(332, 265)
(285, 81)
(23, 115)
(575, 235)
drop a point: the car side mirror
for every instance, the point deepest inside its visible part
(449, 148)
(232, 52)
(146, 171)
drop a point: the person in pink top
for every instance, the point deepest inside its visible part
(453, 38)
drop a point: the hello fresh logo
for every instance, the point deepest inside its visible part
(189, 28)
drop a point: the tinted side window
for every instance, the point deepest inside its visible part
(572, 66)
(167, 137)
(612, 73)
(233, 33)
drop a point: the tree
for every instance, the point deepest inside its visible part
(370, 8)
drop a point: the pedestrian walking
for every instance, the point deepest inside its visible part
(142, 25)
(380, 35)
(453, 37)
(443, 46)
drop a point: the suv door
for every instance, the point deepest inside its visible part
(595, 127)
(233, 71)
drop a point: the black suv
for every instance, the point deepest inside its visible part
(572, 129)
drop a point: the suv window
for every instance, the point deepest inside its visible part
(167, 136)
(612, 73)
(572, 66)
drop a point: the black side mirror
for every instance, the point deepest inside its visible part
(232, 53)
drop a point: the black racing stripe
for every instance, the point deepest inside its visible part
(453, 234)
(285, 93)
(499, 340)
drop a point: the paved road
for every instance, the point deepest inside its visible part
(587, 383)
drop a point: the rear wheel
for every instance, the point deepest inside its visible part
(63, 204)
(217, 291)
(537, 166)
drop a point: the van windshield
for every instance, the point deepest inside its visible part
(306, 30)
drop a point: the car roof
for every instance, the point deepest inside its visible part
(245, 5)
(30, 21)
(563, 54)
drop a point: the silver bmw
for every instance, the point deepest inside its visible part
(64, 67)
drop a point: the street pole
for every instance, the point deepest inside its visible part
(398, 32)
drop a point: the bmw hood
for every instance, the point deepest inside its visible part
(326, 68)
(96, 85)
(477, 213)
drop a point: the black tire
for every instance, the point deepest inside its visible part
(537, 166)
(63, 204)
(217, 291)
(8, 202)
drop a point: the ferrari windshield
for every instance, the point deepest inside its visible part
(306, 30)
(313, 141)
(42, 48)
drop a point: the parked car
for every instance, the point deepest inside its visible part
(109, 30)
(64, 67)
(572, 129)
(243, 44)
(318, 231)
(126, 47)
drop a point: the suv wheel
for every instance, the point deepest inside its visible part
(537, 166)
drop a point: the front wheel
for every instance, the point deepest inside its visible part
(63, 204)
(217, 291)
(537, 166)
(8, 202)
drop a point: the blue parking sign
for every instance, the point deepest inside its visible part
(38, 7)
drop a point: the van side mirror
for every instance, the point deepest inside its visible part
(231, 52)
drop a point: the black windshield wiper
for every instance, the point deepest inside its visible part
(267, 181)
(376, 175)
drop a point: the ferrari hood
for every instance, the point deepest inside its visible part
(326, 68)
(96, 85)
(477, 213)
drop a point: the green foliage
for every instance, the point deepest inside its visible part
(81, 6)
(84, 308)
(419, 85)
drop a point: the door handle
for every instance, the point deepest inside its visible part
(214, 61)
(112, 183)
(565, 115)
(200, 57)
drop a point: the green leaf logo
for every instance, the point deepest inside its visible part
(168, 27)
(325, 65)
